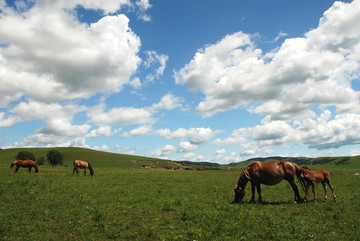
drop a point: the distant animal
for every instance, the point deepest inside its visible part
(83, 165)
(25, 163)
(313, 178)
(268, 173)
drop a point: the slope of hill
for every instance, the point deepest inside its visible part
(334, 163)
(96, 158)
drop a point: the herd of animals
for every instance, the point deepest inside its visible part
(267, 173)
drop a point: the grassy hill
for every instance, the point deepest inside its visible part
(338, 164)
(98, 159)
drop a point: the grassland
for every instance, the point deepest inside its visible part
(136, 204)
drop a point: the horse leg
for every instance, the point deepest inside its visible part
(17, 168)
(306, 191)
(74, 170)
(332, 189)
(313, 190)
(85, 171)
(325, 190)
(252, 200)
(295, 188)
(259, 192)
(77, 171)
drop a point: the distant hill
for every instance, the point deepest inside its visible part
(96, 158)
(103, 159)
(342, 161)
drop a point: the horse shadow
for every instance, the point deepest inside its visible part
(269, 203)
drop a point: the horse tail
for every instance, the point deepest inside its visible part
(300, 178)
(91, 169)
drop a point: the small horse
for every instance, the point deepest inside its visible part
(268, 173)
(83, 165)
(25, 163)
(313, 178)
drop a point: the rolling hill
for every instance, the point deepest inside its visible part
(103, 159)
(96, 158)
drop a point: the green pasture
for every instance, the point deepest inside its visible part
(122, 204)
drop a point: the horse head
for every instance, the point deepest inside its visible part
(239, 193)
(304, 171)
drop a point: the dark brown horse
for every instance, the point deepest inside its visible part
(268, 173)
(83, 165)
(25, 163)
(313, 178)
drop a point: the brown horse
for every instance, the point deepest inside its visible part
(313, 178)
(83, 165)
(25, 163)
(268, 173)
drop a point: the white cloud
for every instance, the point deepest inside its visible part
(53, 52)
(303, 72)
(195, 136)
(102, 148)
(185, 146)
(102, 131)
(154, 58)
(119, 116)
(163, 152)
(221, 157)
(140, 131)
(189, 156)
(50, 140)
(143, 5)
(168, 102)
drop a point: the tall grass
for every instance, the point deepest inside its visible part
(166, 205)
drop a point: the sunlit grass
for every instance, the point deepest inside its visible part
(166, 205)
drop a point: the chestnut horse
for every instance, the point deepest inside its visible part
(313, 178)
(268, 173)
(83, 165)
(25, 163)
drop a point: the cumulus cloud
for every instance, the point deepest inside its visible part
(102, 131)
(140, 131)
(46, 48)
(302, 72)
(220, 157)
(168, 102)
(163, 152)
(185, 146)
(119, 116)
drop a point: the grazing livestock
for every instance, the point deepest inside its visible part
(267, 173)
(25, 163)
(313, 178)
(83, 165)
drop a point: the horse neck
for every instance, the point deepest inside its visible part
(36, 166)
(243, 180)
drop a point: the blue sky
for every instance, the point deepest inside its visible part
(218, 81)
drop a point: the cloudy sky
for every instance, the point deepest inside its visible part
(219, 81)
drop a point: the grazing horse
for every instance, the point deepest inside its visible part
(83, 165)
(25, 163)
(313, 178)
(268, 173)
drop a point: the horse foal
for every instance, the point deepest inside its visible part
(313, 178)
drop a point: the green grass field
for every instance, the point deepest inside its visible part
(122, 204)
